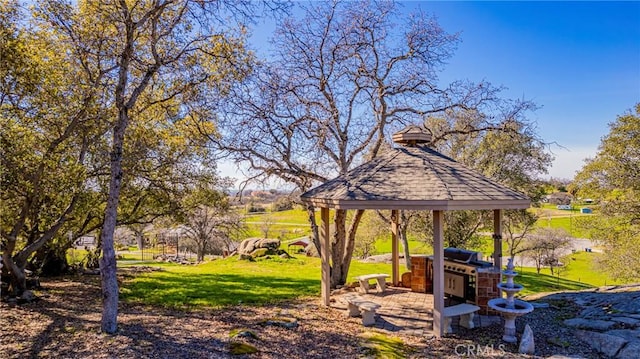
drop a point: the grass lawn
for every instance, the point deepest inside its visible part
(415, 247)
(230, 281)
(568, 223)
(581, 272)
(294, 216)
(420, 247)
(277, 230)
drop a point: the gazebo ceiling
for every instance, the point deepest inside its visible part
(414, 176)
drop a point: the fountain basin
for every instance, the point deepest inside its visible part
(502, 305)
(509, 288)
(520, 307)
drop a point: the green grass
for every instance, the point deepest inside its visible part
(415, 247)
(146, 254)
(75, 256)
(421, 247)
(230, 281)
(569, 224)
(540, 283)
(294, 216)
(581, 272)
(225, 282)
(387, 347)
(286, 225)
(282, 231)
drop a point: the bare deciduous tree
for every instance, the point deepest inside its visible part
(517, 225)
(546, 246)
(266, 222)
(341, 79)
(210, 230)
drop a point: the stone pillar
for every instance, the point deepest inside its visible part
(487, 288)
(419, 274)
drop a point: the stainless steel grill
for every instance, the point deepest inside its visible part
(460, 273)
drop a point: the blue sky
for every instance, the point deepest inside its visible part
(579, 61)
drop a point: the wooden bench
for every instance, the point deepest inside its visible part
(364, 281)
(357, 305)
(465, 311)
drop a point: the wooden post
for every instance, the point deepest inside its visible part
(438, 273)
(324, 255)
(497, 238)
(395, 261)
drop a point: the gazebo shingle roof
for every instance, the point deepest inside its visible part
(414, 178)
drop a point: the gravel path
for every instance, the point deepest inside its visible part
(65, 324)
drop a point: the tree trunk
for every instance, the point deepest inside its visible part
(338, 249)
(139, 241)
(350, 243)
(402, 234)
(342, 246)
(108, 266)
(18, 278)
(200, 255)
(315, 237)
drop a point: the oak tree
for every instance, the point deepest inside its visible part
(341, 78)
(612, 177)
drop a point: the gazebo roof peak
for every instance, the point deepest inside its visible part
(412, 135)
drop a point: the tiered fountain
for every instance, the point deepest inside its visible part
(509, 307)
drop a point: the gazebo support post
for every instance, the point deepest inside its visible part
(324, 255)
(497, 238)
(438, 273)
(395, 262)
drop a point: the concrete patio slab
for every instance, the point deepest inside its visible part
(407, 312)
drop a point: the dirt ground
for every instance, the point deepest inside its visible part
(65, 323)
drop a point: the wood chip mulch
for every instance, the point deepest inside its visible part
(65, 323)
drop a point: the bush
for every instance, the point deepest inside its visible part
(121, 247)
(253, 208)
(282, 204)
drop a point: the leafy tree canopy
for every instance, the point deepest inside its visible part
(613, 178)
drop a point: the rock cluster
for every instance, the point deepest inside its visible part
(252, 248)
(609, 321)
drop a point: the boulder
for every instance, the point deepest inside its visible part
(251, 244)
(527, 345)
(248, 245)
(27, 297)
(260, 252)
(245, 257)
(581, 323)
(288, 323)
(269, 243)
(630, 351)
(606, 344)
(632, 322)
(239, 348)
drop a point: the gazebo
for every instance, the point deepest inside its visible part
(413, 176)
